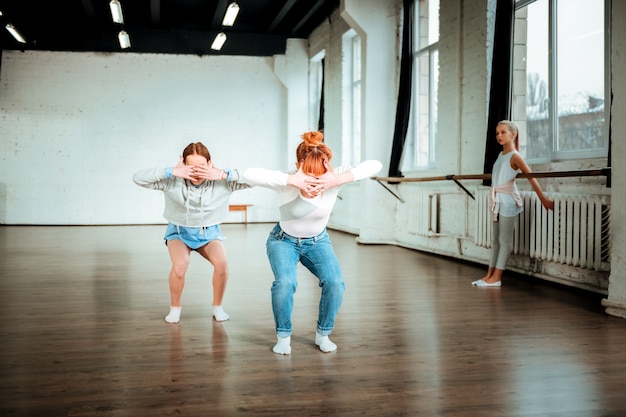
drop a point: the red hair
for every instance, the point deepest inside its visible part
(196, 149)
(312, 153)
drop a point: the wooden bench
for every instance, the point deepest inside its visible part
(241, 207)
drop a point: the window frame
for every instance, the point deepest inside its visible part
(352, 98)
(316, 77)
(554, 153)
(431, 52)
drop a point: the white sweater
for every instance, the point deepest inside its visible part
(301, 216)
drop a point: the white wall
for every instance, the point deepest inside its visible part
(364, 207)
(76, 126)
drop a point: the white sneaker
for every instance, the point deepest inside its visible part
(481, 283)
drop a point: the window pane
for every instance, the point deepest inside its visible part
(433, 21)
(537, 142)
(315, 89)
(428, 24)
(356, 99)
(434, 104)
(351, 99)
(580, 74)
(559, 73)
(419, 148)
(422, 106)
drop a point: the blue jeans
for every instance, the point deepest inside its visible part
(317, 255)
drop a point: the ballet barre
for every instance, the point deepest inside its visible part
(606, 172)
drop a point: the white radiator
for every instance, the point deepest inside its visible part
(423, 216)
(576, 233)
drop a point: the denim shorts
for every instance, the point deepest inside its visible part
(193, 237)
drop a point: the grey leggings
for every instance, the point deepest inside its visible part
(502, 241)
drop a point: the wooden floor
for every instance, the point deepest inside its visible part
(82, 334)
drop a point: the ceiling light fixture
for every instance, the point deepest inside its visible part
(16, 34)
(116, 11)
(218, 42)
(231, 14)
(124, 39)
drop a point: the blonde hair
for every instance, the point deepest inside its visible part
(513, 129)
(312, 153)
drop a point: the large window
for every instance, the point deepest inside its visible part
(351, 98)
(559, 78)
(316, 80)
(419, 150)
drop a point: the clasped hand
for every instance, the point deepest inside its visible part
(311, 185)
(196, 172)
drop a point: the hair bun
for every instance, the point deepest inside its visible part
(313, 138)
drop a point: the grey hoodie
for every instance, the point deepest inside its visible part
(187, 204)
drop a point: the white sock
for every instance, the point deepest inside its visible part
(220, 314)
(283, 346)
(324, 343)
(174, 315)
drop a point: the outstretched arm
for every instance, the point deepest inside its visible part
(517, 162)
(331, 179)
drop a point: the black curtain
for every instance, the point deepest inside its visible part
(403, 108)
(320, 120)
(501, 79)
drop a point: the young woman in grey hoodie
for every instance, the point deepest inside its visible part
(196, 202)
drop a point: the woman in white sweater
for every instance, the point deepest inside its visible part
(306, 199)
(196, 202)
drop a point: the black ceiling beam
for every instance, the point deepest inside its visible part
(166, 42)
(155, 12)
(89, 9)
(199, 43)
(218, 16)
(312, 10)
(280, 16)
